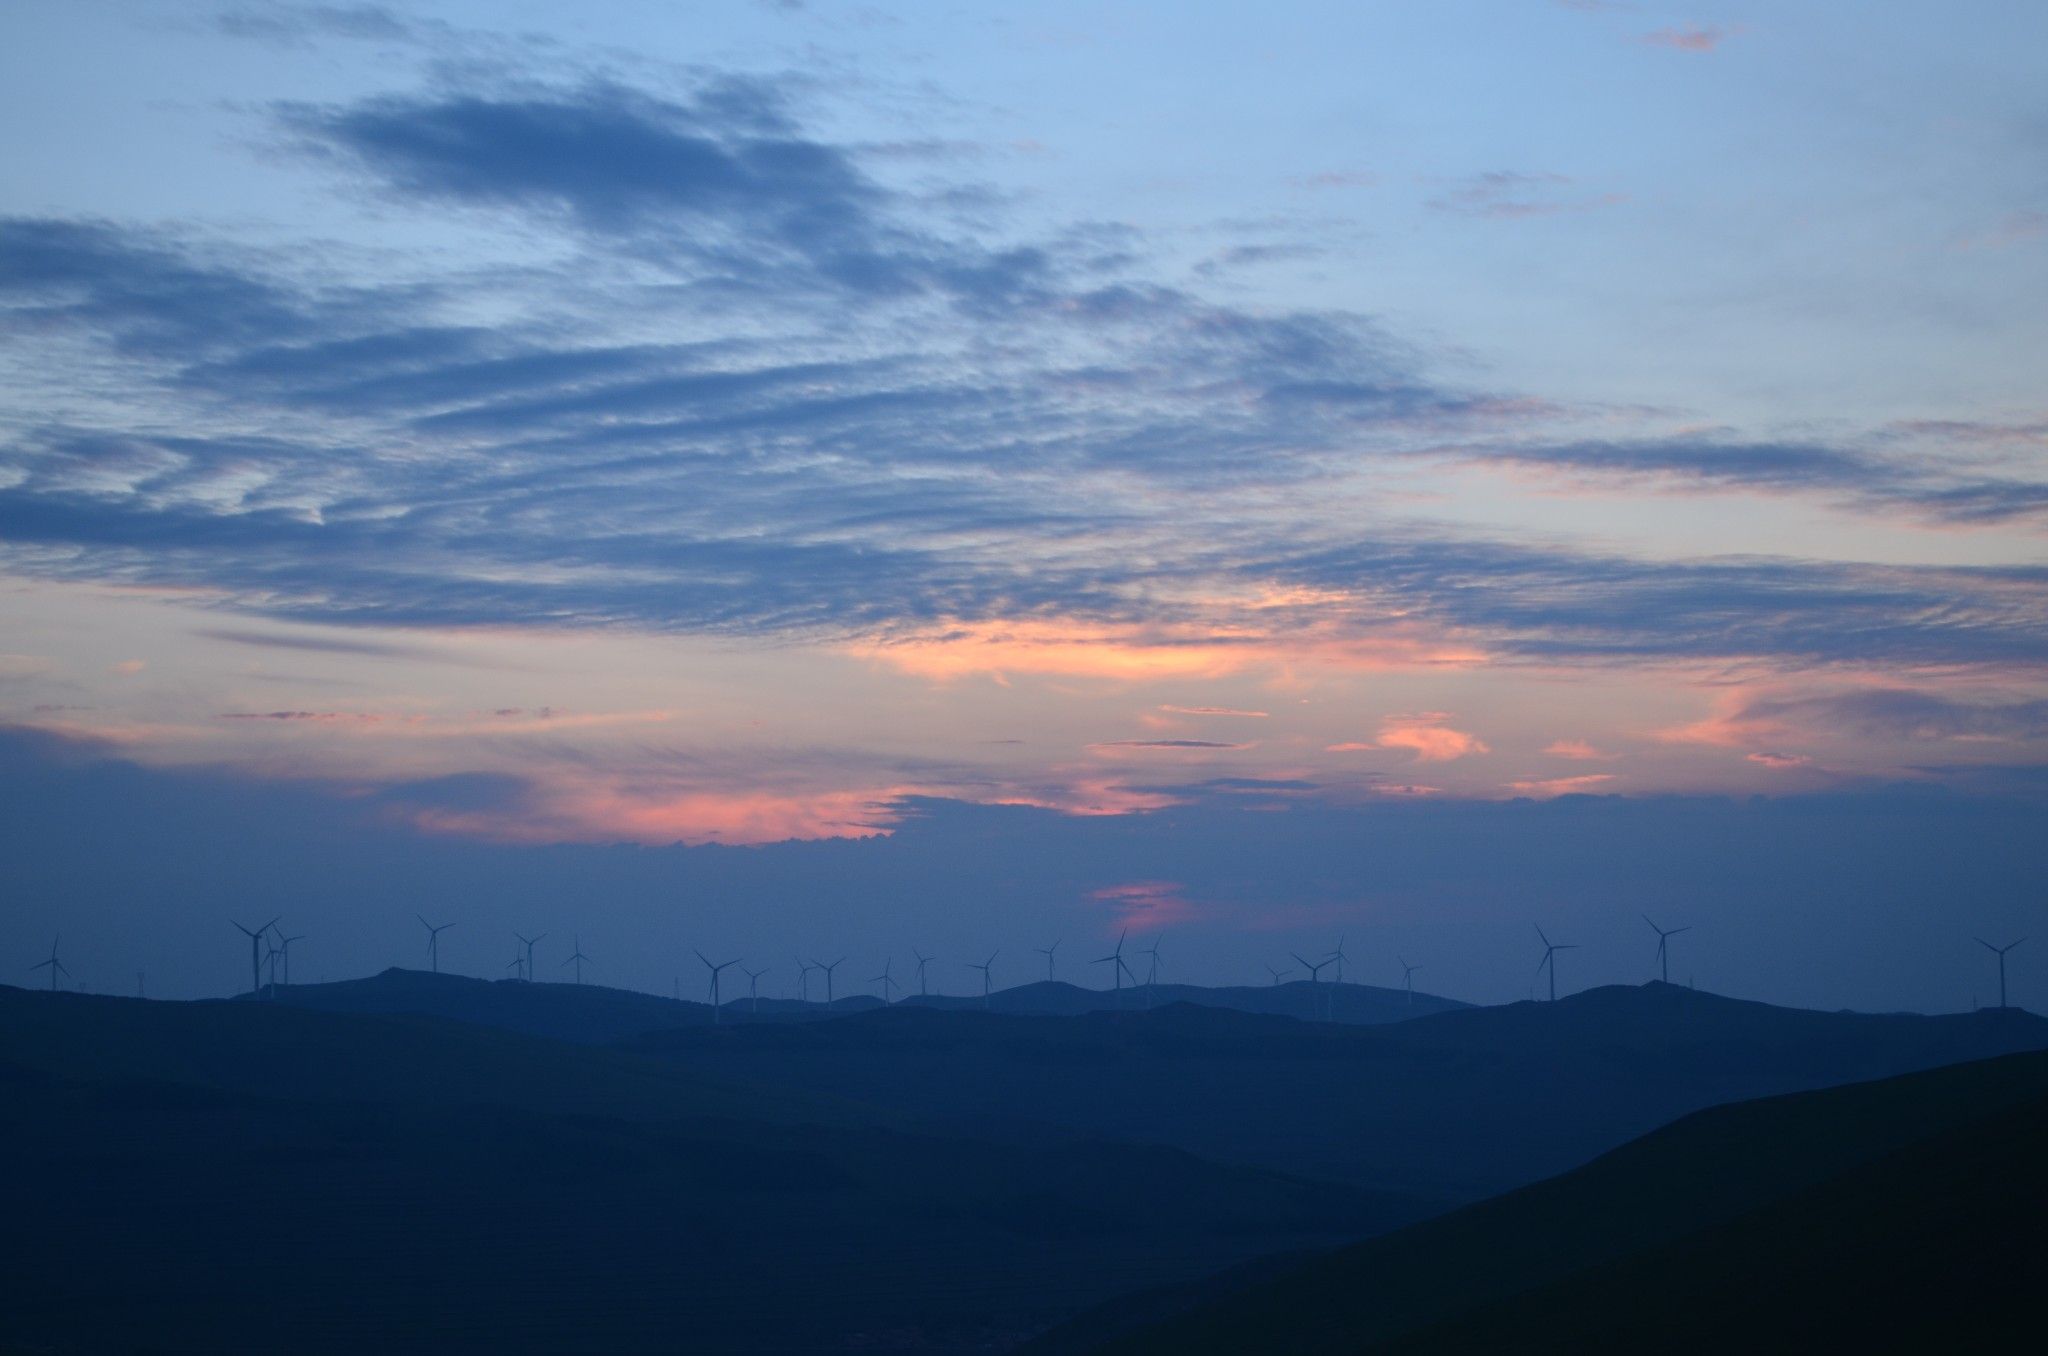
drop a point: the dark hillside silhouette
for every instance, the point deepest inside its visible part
(1740, 1219)
(1460, 1105)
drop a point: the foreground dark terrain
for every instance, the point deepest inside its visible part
(407, 1163)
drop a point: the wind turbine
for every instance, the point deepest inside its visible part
(529, 950)
(922, 961)
(518, 965)
(1664, 947)
(885, 981)
(753, 985)
(803, 977)
(1338, 956)
(255, 955)
(1046, 951)
(284, 954)
(1152, 970)
(1998, 951)
(715, 971)
(577, 958)
(434, 942)
(1408, 977)
(1315, 976)
(53, 965)
(1117, 966)
(1549, 961)
(828, 969)
(984, 968)
(1276, 971)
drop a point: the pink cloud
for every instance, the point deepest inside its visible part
(1213, 711)
(1426, 734)
(128, 666)
(1560, 786)
(1146, 905)
(1780, 760)
(1578, 750)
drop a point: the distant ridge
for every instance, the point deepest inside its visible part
(593, 1014)
(1349, 1004)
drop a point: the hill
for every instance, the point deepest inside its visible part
(592, 1014)
(1458, 1106)
(1348, 1004)
(202, 1177)
(1883, 1211)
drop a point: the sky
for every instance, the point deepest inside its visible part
(796, 475)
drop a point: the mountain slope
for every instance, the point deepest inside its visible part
(1571, 1245)
(1460, 1105)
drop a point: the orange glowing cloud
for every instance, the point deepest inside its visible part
(1426, 734)
(1154, 653)
(581, 813)
(1578, 750)
(1560, 786)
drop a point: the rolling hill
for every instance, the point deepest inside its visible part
(201, 1177)
(1866, 1217)
(1459, 1106)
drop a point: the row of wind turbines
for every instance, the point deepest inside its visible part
(270, 946)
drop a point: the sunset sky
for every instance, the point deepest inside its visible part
(511, 431)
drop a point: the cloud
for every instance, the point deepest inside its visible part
(1916, 485)
(1578, 750)
(1212, 711)
(1511, 194)
(1547, 787)
(1101, 477)
(1145, 906)
(1690, 38)
(724, 177)
(1765, 721)
(1165, 744)
(1426, 734)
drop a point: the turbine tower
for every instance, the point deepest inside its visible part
(1664, 947)
(1337, 955)
(715, 971)
(529, 941)
(518, 965)
(1998, 951)
(828, 969)
(885, 981)
(255, 953)
(803, 978)
(1549, 961)
(1118, 968)
(1315, 978)
(284, 956)
(922, 961)
(1408, 978)
(753, 986)
(434, 942)
(53, 965)
(1046, 951)
(984, 967)
(577, 958)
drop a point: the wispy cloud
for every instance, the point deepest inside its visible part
(1690, 37)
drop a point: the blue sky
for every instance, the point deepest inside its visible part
(742, 423)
